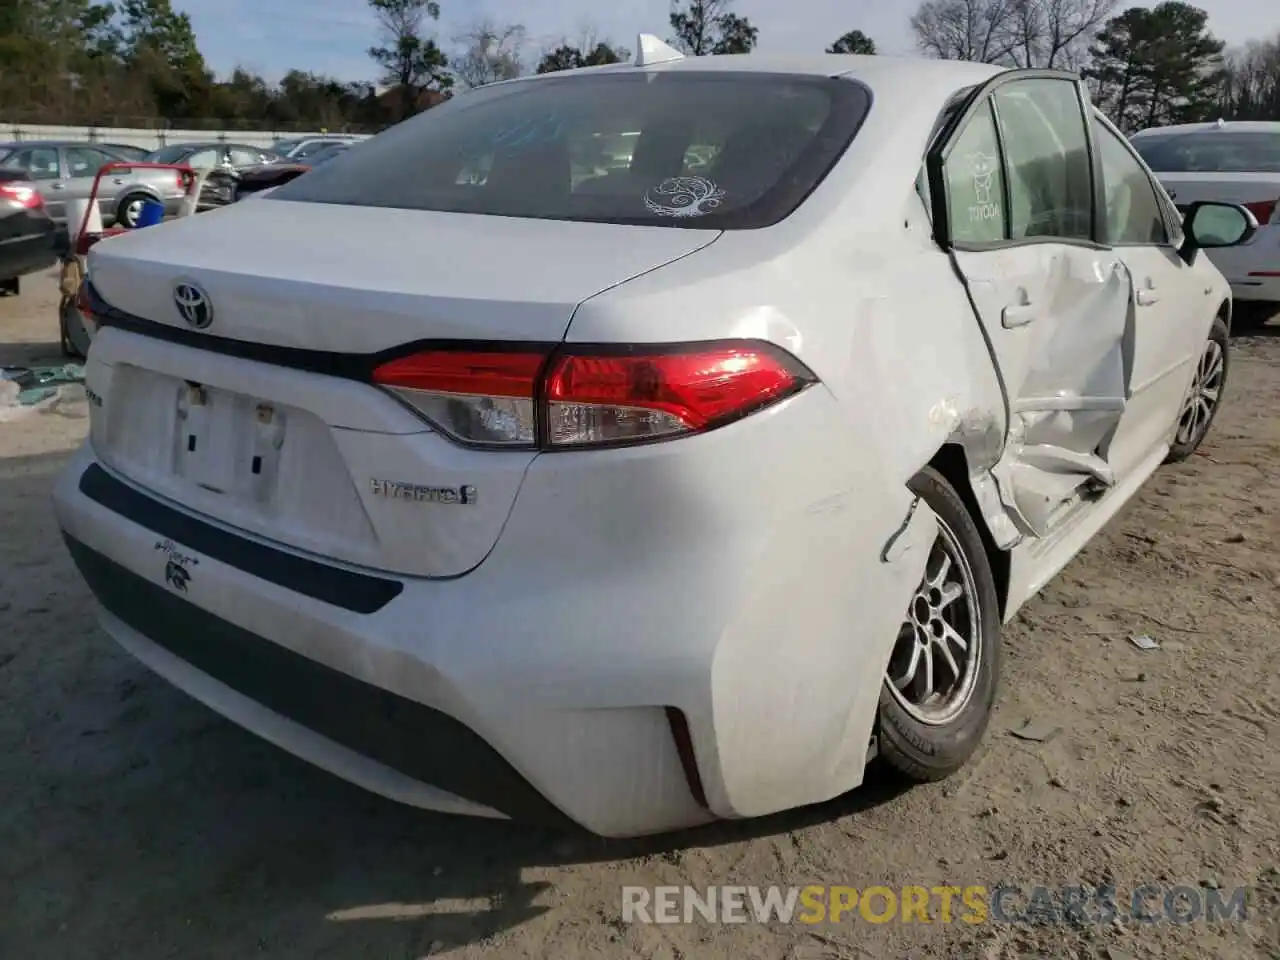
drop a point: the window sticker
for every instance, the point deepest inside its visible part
(684, 197)
(984, 170)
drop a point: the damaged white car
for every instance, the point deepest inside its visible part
(642, 445)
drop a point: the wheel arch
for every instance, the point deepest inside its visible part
(952, 462)
(1225, 311)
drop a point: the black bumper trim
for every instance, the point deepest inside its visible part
(417, 740)
(357, 592)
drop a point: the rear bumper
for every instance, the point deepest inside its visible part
(401, 735)
(1256, 288)
(1253, 270)
(28, 255)
(631, 670)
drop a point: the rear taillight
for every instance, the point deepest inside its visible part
(582, 397)
(476, 397)
(21, 194)
(1262, 210)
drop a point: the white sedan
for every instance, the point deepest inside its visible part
(1236, 161)
(636, 499)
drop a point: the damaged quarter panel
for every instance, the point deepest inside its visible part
(904, 372)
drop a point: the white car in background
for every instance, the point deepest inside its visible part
(1236, 161)
(649, 497)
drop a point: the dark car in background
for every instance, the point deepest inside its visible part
(225, 186)
(28, 238)
(304, 149)
(213, 155)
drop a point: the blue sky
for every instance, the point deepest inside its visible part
(331, 36)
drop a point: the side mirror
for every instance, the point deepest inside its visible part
(1213, 224)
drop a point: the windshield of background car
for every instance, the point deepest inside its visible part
(711, 150)
(1241, 152)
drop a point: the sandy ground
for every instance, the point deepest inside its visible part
(135, 823)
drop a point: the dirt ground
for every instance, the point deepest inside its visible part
(135, 823)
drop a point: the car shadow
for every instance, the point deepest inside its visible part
(137, 822)
(1247, 322)
(32, 354)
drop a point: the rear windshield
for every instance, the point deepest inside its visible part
(707, 150)
(1241, 152)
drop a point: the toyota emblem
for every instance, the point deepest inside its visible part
(193, 305)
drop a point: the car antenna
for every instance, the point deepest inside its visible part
(651, 49)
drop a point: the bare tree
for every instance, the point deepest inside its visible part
(1056, 33)
(1024, 33)
(705, 27)
(981, 30)
(1251, 85)
(490, 52)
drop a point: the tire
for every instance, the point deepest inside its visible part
(1185, 441)
(12, 287)
(75, 336)
(129, 207)
(922, 744)
(1250, 315)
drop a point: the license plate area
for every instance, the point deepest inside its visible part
(227, 443)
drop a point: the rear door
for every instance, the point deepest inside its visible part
(82, 165)
(1013, 183)
(1172, 305)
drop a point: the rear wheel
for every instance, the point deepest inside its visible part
(129, 210)
(1204, 396)
(940, 685)
(11, 287)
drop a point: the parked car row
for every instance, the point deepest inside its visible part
(39, 179)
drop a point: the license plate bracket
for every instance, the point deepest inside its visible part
(228, 443)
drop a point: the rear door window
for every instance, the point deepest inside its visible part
(708, 150)
(39, 163)
(1042, 124)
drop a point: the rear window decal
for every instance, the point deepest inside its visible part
(684, 197)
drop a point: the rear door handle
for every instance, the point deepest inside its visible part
(1147, 297)
(1017, 315)
(57, 186)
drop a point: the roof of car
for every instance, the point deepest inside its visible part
(1217, 126)
(903, 76)
(13, 144)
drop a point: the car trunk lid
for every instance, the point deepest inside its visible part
(1257, 191)
(242, 422)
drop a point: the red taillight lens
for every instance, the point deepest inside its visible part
(22, 195)
(475, 397)
(1262, 210)
(591, 396)
(595, 399)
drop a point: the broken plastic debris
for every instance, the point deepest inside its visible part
(1036, 732)
(1144, 641)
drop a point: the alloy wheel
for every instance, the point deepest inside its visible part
(132, 212)
(1202, 398)
(934, 666)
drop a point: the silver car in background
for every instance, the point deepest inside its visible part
(64, 170)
